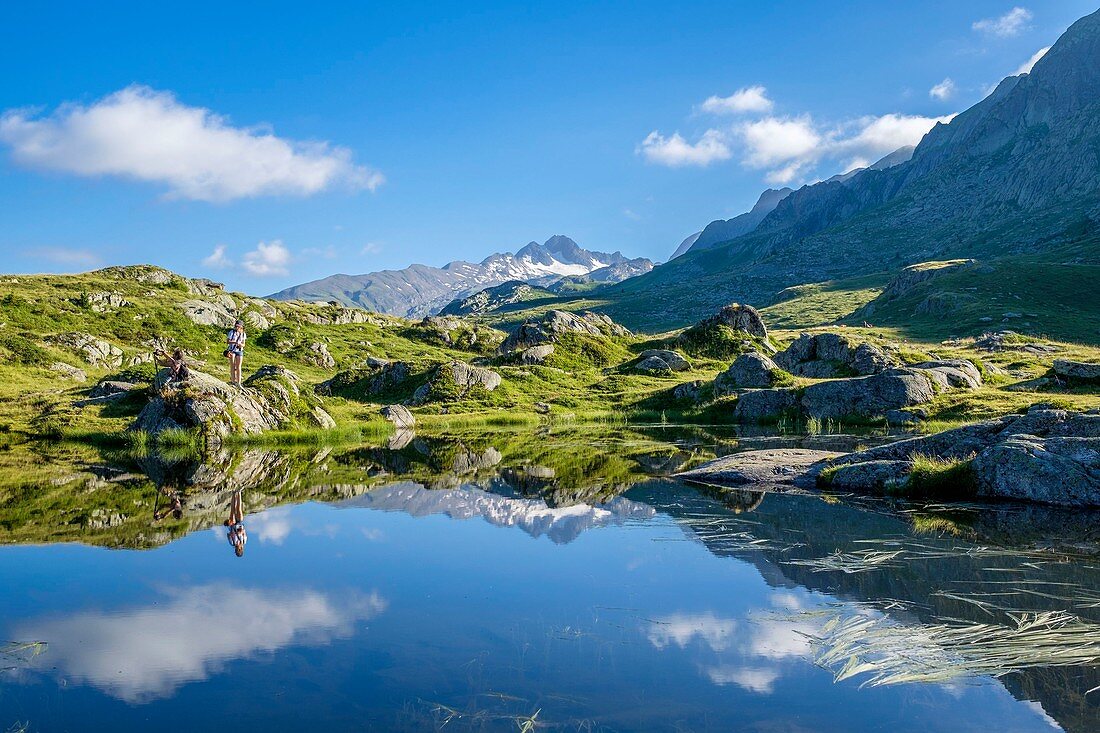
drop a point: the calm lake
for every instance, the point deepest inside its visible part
(522, 581)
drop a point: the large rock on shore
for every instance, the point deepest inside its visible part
(739, 317)
(748, 371)
(376, 377)
(661, 361)
(760, 467)
(1047, 455)
(272, 398)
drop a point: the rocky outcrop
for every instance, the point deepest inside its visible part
(95, 351)
(205, 313)
(399, 415)
(555, 323)
(1047, 455)
(1012, 341)
(1076, 371)
(748, 371)
(455, 380)
(661, 361)
(104, 301)
(376, 377)
(68, 371)
(738, 317)
(272, 398)
(760, 467)
(860, 397)
(827, 355)
(317, 354)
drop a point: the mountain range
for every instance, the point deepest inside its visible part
(1016, 174)
(421, 290)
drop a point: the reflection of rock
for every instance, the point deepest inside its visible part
(533, 516)
(400, 439)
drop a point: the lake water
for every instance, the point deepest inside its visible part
(526, 581)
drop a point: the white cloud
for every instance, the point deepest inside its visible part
(148, 135)
(148, 652)
(677, 152)
(773, 141)
(1010, 24)
(681, 628)
(753, 679)
(943, 91)
(269, 259)
(1028, 65)
(272, 526)
(874, 137)
(371, 248)
(749, 99)
(217, 259)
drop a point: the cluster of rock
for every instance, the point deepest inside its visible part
(752, 370)
(872, 396)
(272, 398)
(375, 377)
(738, 317)
(733, 329)
(458, 332)
(551, 326)
(828, 355)
(1047, 455)
(1011, 341)
(455, 380)
(95, 351)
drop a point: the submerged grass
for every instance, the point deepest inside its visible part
(885, 652)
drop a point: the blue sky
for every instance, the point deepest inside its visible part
(359, 137)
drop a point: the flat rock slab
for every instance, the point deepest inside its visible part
(783, 466)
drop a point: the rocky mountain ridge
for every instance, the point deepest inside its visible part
(420, 290)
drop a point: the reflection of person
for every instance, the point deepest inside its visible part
(234, 350)
(175, 507)
(236, 534)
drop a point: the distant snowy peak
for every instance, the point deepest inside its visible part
(420, 290)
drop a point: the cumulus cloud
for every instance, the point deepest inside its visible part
(943, 91)
(269, 259)
(217, 259)
(676, 152)
(149, 652)
(1028, 65)
(1010, 24)
(148, 135)
(749, 99)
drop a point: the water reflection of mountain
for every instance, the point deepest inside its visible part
(926, 583)
(501, 506)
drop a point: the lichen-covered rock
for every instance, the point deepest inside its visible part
(653, 366)
(455, 380)
(145, 274)
(766, 467)
(688, 391)
(270, 399)
(740, 318)
(68, 371)
(378, 376)
(257, 320)
(870, 476)
(399, 415)
(765, 404)
(676, 362)
(317, 353)
(96, 351)
(205, 313)
(536, 354)
(948, 373)
(103, 301)
(110, 387)
(748, 371)
(1076, 371)
(869, 396)
(1051, 470)
(826, 355)
(553, 324)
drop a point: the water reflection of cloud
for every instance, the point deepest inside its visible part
(753, 679)
(681, 628)
(145, 653)
(272, 526)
